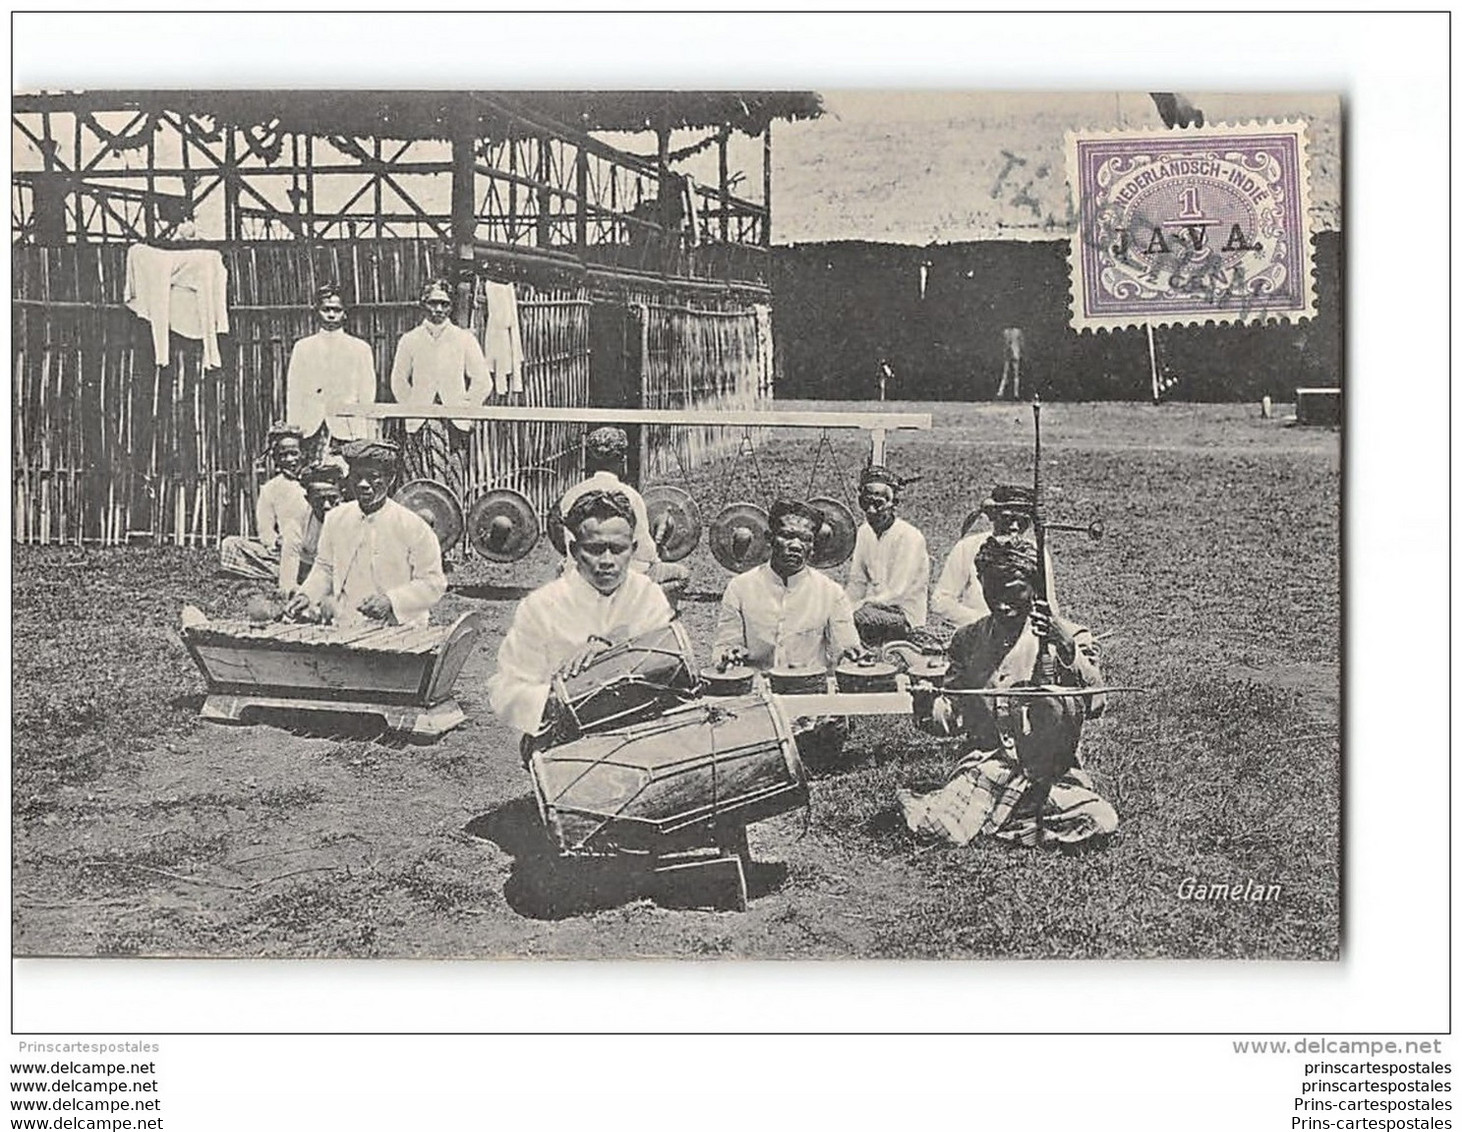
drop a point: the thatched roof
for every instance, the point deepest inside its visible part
(417, 115)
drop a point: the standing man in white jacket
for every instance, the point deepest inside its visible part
(326, 368)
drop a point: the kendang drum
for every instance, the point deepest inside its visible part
(625, 684)
(691, 778)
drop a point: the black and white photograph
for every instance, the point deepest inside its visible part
(682, 524)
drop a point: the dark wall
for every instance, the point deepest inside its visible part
(840, 307)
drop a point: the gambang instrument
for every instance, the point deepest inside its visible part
(687, 779)
(625, 684)
(403, 674)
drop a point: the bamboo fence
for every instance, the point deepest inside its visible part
(705, 356)
(110, 448)
(541, 459)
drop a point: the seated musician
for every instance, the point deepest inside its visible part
(1020, 779)
(605, 451)
(888, 581)
(563, 625)
(281, 503)
(302, 539)
(785, 614)
(958, 595)
(376, 560)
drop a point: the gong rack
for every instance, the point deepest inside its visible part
(500, 526)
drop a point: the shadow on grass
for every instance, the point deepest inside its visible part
(543, 884)
(190, 702)
(482, 591)
(889, 824)
(341, 726)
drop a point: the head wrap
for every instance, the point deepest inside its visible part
(322, 473)
(283, 430)
(784, 508)
(1006, 556)
(371, 452)
(601, 505)
(436, 289)
(606, 443)
(328, 291)
(1009, 497)
(877, 473)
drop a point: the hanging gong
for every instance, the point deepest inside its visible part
(834, 543)
(438, 506)
(740, 537)
(502, 525)
(675, 521)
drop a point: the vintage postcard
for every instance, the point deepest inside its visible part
(796, 524)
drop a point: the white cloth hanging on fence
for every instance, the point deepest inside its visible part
(765, 361)
(504, 345)
(183, 290)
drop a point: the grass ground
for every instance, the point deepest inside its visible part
(140, 831)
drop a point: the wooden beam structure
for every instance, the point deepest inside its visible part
(462, 167)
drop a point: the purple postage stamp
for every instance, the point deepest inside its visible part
(1190, 225)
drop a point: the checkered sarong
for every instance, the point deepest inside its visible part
(248, 558)
(985, 791)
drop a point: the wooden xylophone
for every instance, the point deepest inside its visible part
(400, 673)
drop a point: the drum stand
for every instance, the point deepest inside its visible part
(713, 876)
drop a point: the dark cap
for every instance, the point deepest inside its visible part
(371, 452)
(1009, 497)
(782, 508)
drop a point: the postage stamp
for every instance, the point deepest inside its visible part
(1190, 225)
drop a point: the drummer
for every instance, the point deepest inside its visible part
(605, 452)
(564, 624)
(888, 581)
(376, 560)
